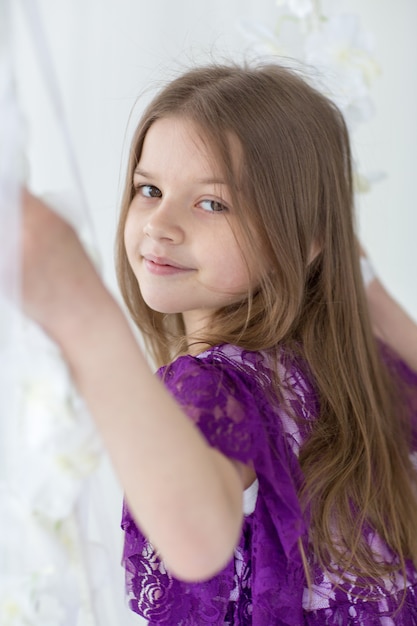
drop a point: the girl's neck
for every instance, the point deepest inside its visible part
(196, 347)
(196, 330)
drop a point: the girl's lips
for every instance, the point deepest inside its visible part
(163, 267)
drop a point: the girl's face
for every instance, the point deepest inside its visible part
(180, 232)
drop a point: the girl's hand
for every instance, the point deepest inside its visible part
(59, 282)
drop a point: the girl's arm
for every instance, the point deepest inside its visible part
(391, 322)
(186, 496)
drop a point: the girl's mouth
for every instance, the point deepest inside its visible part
(162, 266)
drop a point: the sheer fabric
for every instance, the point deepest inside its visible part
(226, 391)
(58, 547)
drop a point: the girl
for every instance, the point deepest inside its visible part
(267, 467)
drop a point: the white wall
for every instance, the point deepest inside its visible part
(388, 215)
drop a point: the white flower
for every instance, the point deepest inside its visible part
(39, 505)
(341, 42)
(300, 8)
(286, 39)
(42, 542)
(335, 46)
(29, 602)
(342, 54)
(363, 182)
(60, 441)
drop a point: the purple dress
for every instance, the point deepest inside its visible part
(225, 391)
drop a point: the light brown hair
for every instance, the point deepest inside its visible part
(294, 188)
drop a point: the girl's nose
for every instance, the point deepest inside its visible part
(163, 223)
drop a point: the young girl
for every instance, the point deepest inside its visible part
(267, 467)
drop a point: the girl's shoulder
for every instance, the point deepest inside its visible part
(281, 370)
(234, 394)
(221, 392)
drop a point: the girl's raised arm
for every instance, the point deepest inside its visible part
(391, 322)
(186, 496)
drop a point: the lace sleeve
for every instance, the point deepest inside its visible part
(216, 400)
(219, 401)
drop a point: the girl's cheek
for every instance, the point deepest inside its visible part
(130, 228)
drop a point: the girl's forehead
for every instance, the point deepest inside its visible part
(187, 141)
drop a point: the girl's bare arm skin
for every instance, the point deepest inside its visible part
(186, 496)
(391, 322)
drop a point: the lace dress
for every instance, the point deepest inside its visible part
(224, 391)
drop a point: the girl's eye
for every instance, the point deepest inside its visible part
(149, 191)
(213, 206)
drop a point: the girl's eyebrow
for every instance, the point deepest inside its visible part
(142, 172)
(201, 181)
(211, 181)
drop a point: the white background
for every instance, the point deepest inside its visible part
(107, 53)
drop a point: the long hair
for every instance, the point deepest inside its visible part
(293, 187)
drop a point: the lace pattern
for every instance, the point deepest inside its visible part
(225, 392)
